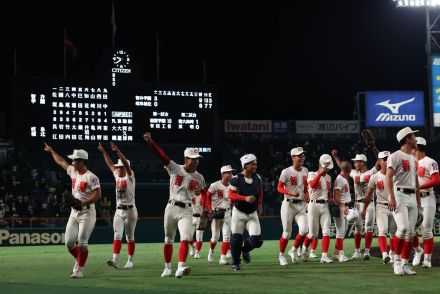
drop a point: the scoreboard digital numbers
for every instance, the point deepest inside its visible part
(80, 111)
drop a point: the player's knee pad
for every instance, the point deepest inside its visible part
(286, 235)
(255, 241)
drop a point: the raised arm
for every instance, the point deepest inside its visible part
(336, 157)
(56, 157)
(122, 158)
(107, 158)
(156, 149)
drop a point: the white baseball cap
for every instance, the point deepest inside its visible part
(404, 132)
(353, 214)
(79, 154)
(421, 141)
(226, 169)
(297, 151)
(120, 164)
(383, 154)
(326, 161)
(360, 157)
(192, 153)
(247, 158)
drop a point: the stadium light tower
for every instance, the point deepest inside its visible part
(432, 8)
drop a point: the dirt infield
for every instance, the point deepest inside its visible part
(435, 259)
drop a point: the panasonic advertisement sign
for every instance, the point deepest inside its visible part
(394, 109)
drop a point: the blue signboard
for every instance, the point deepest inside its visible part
(394, 109)
(436, 89)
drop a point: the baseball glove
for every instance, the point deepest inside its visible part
(335, 211)
(368, 137)
(204, 221)
(218, 214)
(71, 201)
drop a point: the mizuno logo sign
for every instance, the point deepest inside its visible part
(394, 107)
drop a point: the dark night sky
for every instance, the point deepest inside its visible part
(269, 60)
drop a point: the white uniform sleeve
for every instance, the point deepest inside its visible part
(212, 188)
(70, 170)
(311, 176)
(283, 176)
(373, 170)
(172, 168)
(353, 173)
(392, 161)
(338, 184)
(93, 182)
(433, 167)
(372, 182)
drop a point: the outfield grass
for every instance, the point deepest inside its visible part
(45, 269)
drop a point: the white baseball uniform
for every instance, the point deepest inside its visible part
(178, 212)
(427, 167)
(341, 222)
(318, 212)
(126, 214)
(81, 223)
(294, 207)
(361, 180)
(220, 200)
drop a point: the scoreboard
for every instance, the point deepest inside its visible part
(69, 110)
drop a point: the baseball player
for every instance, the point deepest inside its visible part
(85, 188)
(197, 209)
(361, 176)
(246, 190)
(384, 216)
(126, 214)
(218, 200)
(185, 182)
(403, 197)
(293, 185)
(342, 198)
(428, 177)
(318, 213)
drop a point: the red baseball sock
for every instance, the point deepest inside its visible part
(212, 245)
(339, 243)
(382, 240)
(82, 257)
(199, 245)
(183, 251)
(191, 242)
(391, 244)
(74, 251)
(130, 246)
(406, 250)
(117, 246)
(369, 239)
(357, 241)
(416, 242)
(325, 243)
(225, 247)
(428, 245)
(283, 244)
(298, 241)
(398, 245)
(314, 244)
(167, 252)
(307, 241)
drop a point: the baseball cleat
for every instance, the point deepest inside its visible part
(356, 255)
(283, 261)
(398, 270)
(386, 260)
(305, 255)
(192, 250)
(129, 264)
(313, 254)
(166, 273)
(326, 259)
(407, 270)
(293, 255)
(210, 255)
(196, 255)
(417, 258)
(392, 257)
(426, 264)
(78, 273)
(228, 254)
(343, 258)
(246, 256)
(112, 263)
(183, 271)
(236, 267)
(75, 267)
(223, 260)
(366, 256)
(298, 252)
